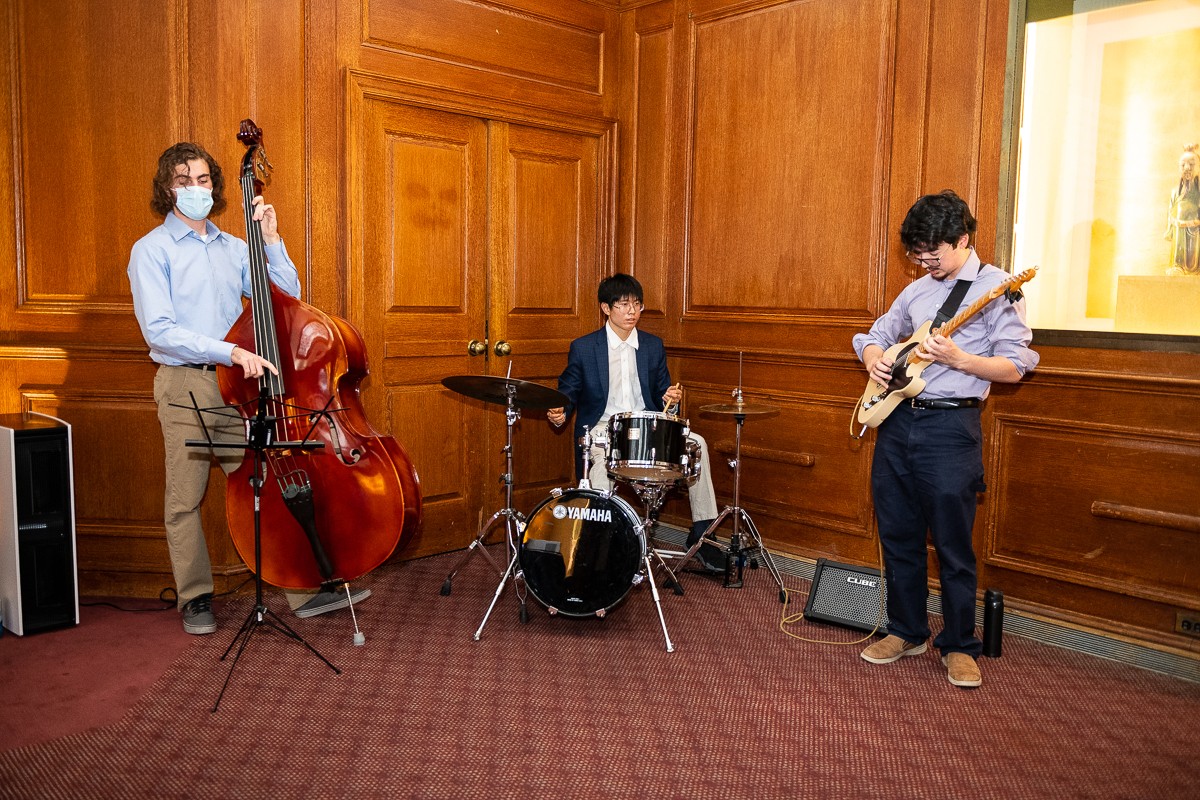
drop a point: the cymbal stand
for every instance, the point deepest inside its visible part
(514, 524)
(514, 521)
(740, 547)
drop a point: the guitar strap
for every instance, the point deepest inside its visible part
(952, 303)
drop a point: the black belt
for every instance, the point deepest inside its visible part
(944, 402)
(198, 366)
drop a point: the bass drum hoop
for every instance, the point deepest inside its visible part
(606, 552)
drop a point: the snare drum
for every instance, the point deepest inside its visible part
(581, 552)
(647, 446)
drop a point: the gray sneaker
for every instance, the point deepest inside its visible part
(324, 602)
(198, 616)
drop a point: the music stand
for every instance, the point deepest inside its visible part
(259, 439)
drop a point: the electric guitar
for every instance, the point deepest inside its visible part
(879, 400)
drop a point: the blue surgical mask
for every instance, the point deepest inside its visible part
(194, 201)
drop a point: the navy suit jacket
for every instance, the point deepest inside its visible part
(585, 380)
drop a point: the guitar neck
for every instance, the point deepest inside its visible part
(957, 321)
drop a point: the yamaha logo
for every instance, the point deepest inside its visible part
(585, 514)
(862, 582)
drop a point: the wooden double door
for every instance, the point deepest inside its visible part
(475, 248)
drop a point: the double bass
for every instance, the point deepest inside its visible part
(339, 503)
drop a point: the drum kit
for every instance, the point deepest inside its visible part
(581, 550)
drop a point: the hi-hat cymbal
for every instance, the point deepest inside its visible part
(491, 389)
(739, 409)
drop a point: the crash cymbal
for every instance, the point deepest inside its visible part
(739, 409)
(492, 389)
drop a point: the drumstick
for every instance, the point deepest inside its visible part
(675, 406)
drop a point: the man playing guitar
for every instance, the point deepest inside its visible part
(928, 462)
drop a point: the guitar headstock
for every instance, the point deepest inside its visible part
(1011, 288)
(254, 164)
(1022, 278)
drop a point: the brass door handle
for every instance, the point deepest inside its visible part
(503, 348)
(476, 347)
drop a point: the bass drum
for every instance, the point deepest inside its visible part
(581, 552)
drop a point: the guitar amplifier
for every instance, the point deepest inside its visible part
(844, 594)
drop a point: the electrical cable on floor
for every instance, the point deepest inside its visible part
(786, 619)
(167, 597)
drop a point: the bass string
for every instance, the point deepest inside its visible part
(266, 344)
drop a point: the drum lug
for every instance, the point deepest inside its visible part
(600, 613)
(556, 492)
(553, 611)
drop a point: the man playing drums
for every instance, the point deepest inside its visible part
(618, 370)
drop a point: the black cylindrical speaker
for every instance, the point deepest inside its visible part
(993, 622)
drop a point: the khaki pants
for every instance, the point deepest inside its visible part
(188, 469)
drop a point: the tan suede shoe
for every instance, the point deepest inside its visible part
(891, 648)
(962, 670)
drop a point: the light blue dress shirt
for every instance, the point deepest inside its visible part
(999, 329)
(187, 292)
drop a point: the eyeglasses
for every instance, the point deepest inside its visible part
(929, 260)
(627, 306)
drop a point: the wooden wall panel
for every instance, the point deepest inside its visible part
(84, 107)
(548, 54)
(64, 136)
(1114, 483)
(801, 472)
(417, 232)
(954, 108)
(647, 136)
(68, 133)
(778, 153)
(560, 43)
(1091, 515)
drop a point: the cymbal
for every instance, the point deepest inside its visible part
(491, 389)
(739, 409)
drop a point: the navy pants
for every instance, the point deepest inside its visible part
(927, 471)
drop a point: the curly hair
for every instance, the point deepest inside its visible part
(162, 198)
(936, 218)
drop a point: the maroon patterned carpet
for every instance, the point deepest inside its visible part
(567, 708)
